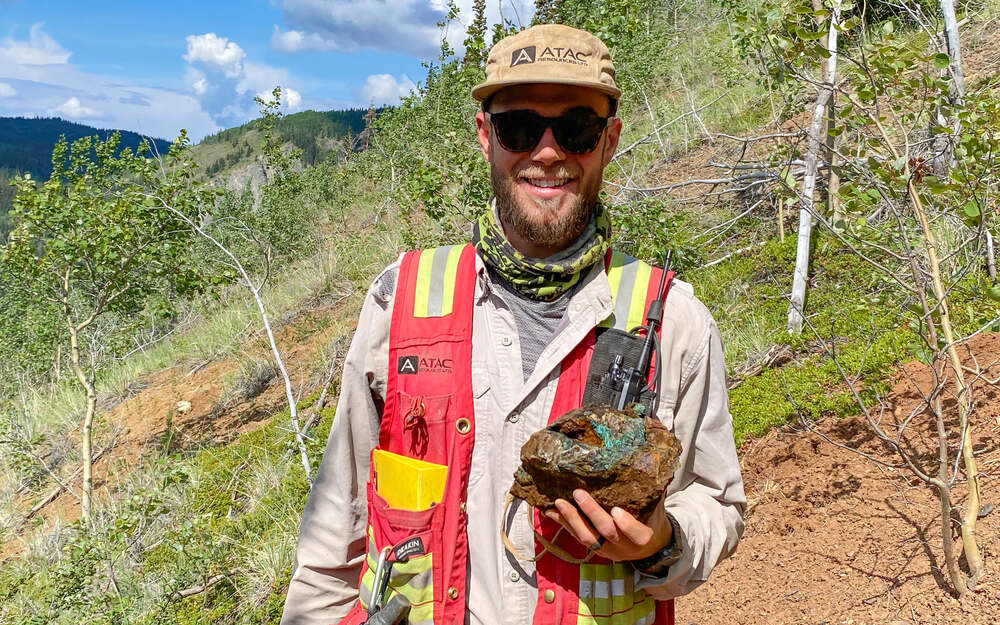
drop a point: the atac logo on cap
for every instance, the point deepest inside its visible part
(564, 55)
(522, 56)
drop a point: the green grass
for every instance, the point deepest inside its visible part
(182, 519)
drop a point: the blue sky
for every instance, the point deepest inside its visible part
(157, 67)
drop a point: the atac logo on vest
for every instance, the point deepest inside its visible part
(523, 56)
(413, 364)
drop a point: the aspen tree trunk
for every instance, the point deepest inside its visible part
(833, 183)
(806, 202)
(991, 262)
(86, 449)
(942, 485)
(970, 546)
(954, 49)
(961, 391)
(943, 143)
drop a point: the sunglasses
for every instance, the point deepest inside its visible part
(577, 130)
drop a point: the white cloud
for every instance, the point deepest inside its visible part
(39, 49)
(261, 77)
(225, 80)
(217, 53)
(39, 80)
(407, 26)
(294, 99)
(385, 89)
(74, 110)
(291, 100)
(294, 41)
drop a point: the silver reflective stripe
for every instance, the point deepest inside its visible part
(417, 581)
(623, 298)
(364, 592)
(435, 297)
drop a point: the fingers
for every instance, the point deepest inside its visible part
(596, 524)
(624, 536)
(569, 517)
(598, 516)
(631, 528)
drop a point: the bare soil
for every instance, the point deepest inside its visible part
(832, 537)
(202, 404)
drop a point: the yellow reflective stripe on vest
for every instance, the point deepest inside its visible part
(414, 579)
(629, 281)
(608, 597)
(435, 289)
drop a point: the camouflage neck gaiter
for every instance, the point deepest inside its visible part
(548, 278)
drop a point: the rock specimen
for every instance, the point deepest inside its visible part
(620, 458)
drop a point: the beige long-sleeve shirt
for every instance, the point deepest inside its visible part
(705, 497)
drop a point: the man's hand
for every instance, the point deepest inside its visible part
(623, 536)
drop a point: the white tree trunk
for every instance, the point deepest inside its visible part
(991, 263)
(954, 49)
(806, 203)
(944, 148)
(255, 291)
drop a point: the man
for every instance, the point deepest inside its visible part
(461, 353)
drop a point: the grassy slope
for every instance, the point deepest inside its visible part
(234, 509)
(316, 133)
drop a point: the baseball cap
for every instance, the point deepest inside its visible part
(549, 53)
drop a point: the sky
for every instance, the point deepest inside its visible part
(155, 67)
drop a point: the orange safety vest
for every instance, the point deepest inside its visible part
(429, 415)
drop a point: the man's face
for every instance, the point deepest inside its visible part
(545, 196)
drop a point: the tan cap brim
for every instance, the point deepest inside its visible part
(483, 91)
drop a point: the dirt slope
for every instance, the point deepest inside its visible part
(833, 538)
(219, 405)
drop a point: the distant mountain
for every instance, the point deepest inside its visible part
(316, 133)
(226, 157)
(26, 143)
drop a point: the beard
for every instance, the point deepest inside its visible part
(553, 228)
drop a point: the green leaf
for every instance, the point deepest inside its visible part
(941, 60)
(920, 352)
(971, 209)
(994, 293)
(935, 186)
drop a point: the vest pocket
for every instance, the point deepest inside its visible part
(414, 540)
(425, 422)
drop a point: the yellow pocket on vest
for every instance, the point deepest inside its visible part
(408, 483)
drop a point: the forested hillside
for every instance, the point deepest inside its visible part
(315, 134)
(825, 174)
(26, 143)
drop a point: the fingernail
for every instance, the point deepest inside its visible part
(616, 513)
(580, 496)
